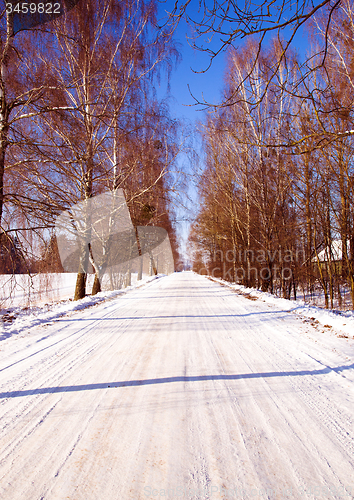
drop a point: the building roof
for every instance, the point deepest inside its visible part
(335, 254)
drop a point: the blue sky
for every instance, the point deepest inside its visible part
(188, 73)
(188, 79)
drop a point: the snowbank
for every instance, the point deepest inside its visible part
(341, 320)
(18, 319)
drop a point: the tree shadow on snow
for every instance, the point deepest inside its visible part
(166, 380)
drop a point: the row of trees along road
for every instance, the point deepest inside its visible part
(278, 187)
(79, 116)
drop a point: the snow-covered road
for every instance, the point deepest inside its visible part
(179, 389)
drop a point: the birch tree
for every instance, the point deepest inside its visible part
(106, 54)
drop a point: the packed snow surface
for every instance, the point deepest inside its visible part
(182, 388)
(341, 320)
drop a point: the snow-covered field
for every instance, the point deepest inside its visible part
(21, 318)
(180, 388)
(27, 301)
(22, 290)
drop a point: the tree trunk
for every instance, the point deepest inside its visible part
(4, 108)
(80, 288)
(140, 272)
(96, 287)
(153, 268)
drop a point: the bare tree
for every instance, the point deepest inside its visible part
(219, 25)
(107, 54)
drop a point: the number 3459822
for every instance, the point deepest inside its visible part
(33, 8)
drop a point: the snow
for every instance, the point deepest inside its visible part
(343, 321)
(23, 290)
(335, 253)
(181, 388)
(19, 319)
